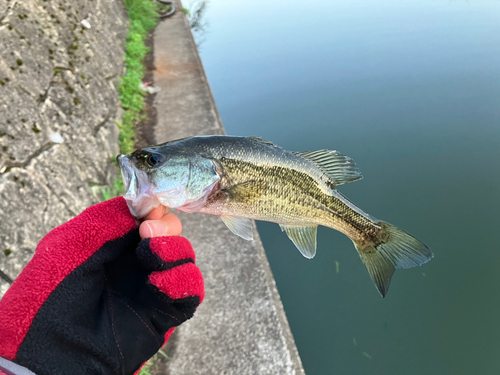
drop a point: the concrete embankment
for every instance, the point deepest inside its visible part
(58, 104)
(241, 327)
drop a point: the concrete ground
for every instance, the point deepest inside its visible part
(58, 106)
(241, 327)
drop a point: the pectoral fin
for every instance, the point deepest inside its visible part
(241, 226)
(303, 237)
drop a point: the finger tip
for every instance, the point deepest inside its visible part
(152, 228)
(145, 230)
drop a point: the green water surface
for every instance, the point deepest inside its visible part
(411, 91)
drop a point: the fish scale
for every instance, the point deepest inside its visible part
(243, 178)
(303, 197)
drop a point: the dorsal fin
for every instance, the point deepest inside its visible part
(340, 169)
(263, 141)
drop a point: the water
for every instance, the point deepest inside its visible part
(410, 91)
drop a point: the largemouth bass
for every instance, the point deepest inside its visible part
(243, 178)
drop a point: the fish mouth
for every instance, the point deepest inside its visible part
(127, 170)
(140, 199)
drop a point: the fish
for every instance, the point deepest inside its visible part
(245, 178)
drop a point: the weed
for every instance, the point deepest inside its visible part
(143, 18)
(162, 8)
(146, 369)
(117, 189)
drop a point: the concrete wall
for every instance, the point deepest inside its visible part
(58, 104)
(241, 327)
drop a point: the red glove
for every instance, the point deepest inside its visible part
(96, 299)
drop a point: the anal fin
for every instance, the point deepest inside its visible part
(304, 238)
(241, 226)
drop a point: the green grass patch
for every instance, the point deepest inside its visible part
(148, 367)
(143, 17)
(117, 188)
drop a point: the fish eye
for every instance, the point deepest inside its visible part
(153, 160)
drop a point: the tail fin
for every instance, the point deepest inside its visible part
(397, 250)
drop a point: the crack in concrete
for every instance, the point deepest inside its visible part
(101, 124)
(62, 68)
(43, 97)
(26, 91)
(48, 187)
(112, 76)
(45, 209)
(61, 200)
(21, 36)
(9, 8)
(9, 165)
(6, 277)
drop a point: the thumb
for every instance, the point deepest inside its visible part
(159, 223)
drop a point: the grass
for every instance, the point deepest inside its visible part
(147, 367)
(117, 188)
(163, 8)
(143, 17)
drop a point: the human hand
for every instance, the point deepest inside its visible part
(160, 222)
(96, 298)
